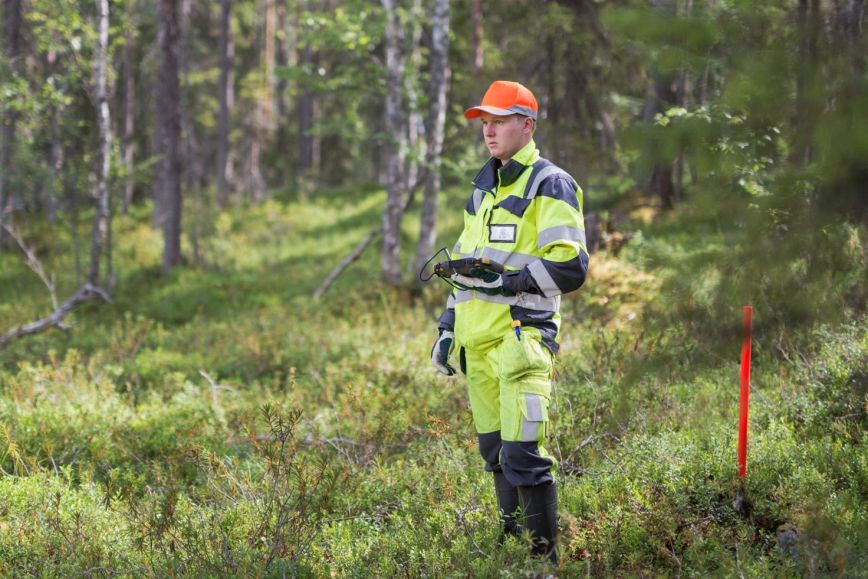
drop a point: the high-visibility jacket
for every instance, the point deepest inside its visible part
(526, 215)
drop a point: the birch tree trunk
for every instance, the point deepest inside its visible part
(158, 218)
(54, 151)
(193, 171)
(476, 39)
(682, 97)
(129, 116)
(169, 108)
(268, 65)
(263, 121)
(227, 54)
(102, 216)
(305, 114)
(55, 166)
(395, 146)
(415, 125)
(436, 121)
(286, 43)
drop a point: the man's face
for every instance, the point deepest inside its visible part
(504, 136)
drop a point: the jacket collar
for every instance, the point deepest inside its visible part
(486, 179)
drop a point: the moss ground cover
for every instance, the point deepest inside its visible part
(220, 422)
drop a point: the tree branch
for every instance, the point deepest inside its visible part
(85, 293)
(370, 237)
(347, 261)
(32, 261)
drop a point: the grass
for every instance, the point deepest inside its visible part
(218, 421)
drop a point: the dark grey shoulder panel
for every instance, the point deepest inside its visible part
(515, 205)
(560, 188)
(538, 167)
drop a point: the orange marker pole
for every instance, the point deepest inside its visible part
(745, 393)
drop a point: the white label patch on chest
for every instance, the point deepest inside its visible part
(501, 233)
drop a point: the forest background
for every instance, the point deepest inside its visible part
(179, 178)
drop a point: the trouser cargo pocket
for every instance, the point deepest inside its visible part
(534, 417)
(525, 370)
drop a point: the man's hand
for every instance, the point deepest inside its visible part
(487, 282)
(440, 353)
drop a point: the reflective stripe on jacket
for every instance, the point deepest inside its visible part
(526, 215)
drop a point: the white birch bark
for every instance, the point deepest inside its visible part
(436, 121)
(395, 145)
(169, 107)
(102, 217)
(227, 54)
(129, 116)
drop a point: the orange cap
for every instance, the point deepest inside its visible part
(505, 97)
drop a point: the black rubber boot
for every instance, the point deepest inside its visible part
(540, 504)
(507, 504)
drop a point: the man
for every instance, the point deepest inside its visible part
(526, 214)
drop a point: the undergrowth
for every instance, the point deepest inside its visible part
(220, 422)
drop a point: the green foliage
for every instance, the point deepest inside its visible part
(142, 436)
(831, 396)
(219, 422)
(53, 527)
(295, 493)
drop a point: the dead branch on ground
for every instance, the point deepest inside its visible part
(363, 245)
(347, 261)
(85, 293)
(33, 262)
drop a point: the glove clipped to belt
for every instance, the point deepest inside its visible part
(440, 353)
(489, 282)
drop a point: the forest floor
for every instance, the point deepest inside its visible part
(220, 422)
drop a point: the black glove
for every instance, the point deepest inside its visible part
(490, 282)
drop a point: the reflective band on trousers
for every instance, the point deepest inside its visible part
(531, 423)
(559, 233)
(524, 300)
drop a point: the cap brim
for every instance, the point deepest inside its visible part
(476, 112)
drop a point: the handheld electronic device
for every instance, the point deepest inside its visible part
(464, 266)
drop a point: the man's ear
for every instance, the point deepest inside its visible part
(529, 125)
